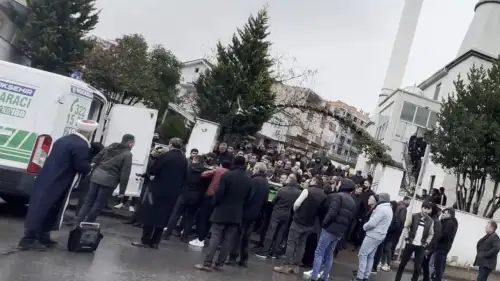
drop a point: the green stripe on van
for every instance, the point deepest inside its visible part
(14, 158)
(16, 145)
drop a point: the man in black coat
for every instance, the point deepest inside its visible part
(282, 211)
(169, 172)
(429, 251)
(189, 200)
(449, 226)
(487, 251)
(251, 211)
(341, 209)
(307, 208)
(234, 192)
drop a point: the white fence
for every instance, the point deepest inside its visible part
(471, 228)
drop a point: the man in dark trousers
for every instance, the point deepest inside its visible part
(113, 166)
(340, 208)
(487, 252)
(234, 192)
(282, 211)
(68, 157)
(307, 208)
(429, 251)
(449, 226)
(189, 201)
(418, 233)
(260, 195)
(206, 205)
(169, 172)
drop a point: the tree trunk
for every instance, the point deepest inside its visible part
(472, 191)
(492, 200)
(460, 191)
(493, 209)
(479, 195)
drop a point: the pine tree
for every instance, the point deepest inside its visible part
(241, 77)
(53, 31)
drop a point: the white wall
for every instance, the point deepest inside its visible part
(390, 182)
(470, 230)
(470, 227)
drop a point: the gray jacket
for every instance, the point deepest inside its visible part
(380, 219)
(113, 165)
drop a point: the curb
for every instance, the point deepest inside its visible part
(472, 273)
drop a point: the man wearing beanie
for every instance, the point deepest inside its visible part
(234, 192)
(340, 208)
(376, 230)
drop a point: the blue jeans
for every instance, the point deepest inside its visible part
(324, 254)
(95, 201)
(366, 256)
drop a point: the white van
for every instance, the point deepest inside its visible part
(37, 108)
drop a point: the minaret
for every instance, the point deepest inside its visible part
(484, 31)
(402, 47)
(399, 55)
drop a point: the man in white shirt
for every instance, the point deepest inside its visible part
(418, 233)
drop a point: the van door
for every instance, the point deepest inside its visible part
(76, 107)
(140, 122)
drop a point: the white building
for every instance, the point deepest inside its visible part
(9, 33)
(412, 110)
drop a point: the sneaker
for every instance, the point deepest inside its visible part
(119, 206)
(294, 270)
(27, 245)
(307, 274)
(203, 267)
(374, 271)
(285, 269)
(131, 208)
(263, 255)
(386, 267)
(197, 243)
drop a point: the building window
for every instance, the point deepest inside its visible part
(408, 111)
(432, 120)
(346, 151)
(342, 139)
(196, 70)
(422, 116)
(436, 91)
(348, 141)
(339, 150)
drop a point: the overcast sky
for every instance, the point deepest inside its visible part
(347, 41)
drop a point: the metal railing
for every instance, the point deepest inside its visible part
(410, 181)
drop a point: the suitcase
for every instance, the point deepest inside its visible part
(85, 238)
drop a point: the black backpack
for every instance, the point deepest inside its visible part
(85, 238)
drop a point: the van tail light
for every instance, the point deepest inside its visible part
(39, 153)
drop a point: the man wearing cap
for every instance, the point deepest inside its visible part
(68, 158)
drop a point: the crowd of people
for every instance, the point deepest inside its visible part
(230, 193)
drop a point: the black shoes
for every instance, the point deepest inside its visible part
(30, 245)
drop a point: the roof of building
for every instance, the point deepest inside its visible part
(444, 71)
(199, 61)
(351, 109)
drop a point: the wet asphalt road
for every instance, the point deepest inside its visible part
(117, 260)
